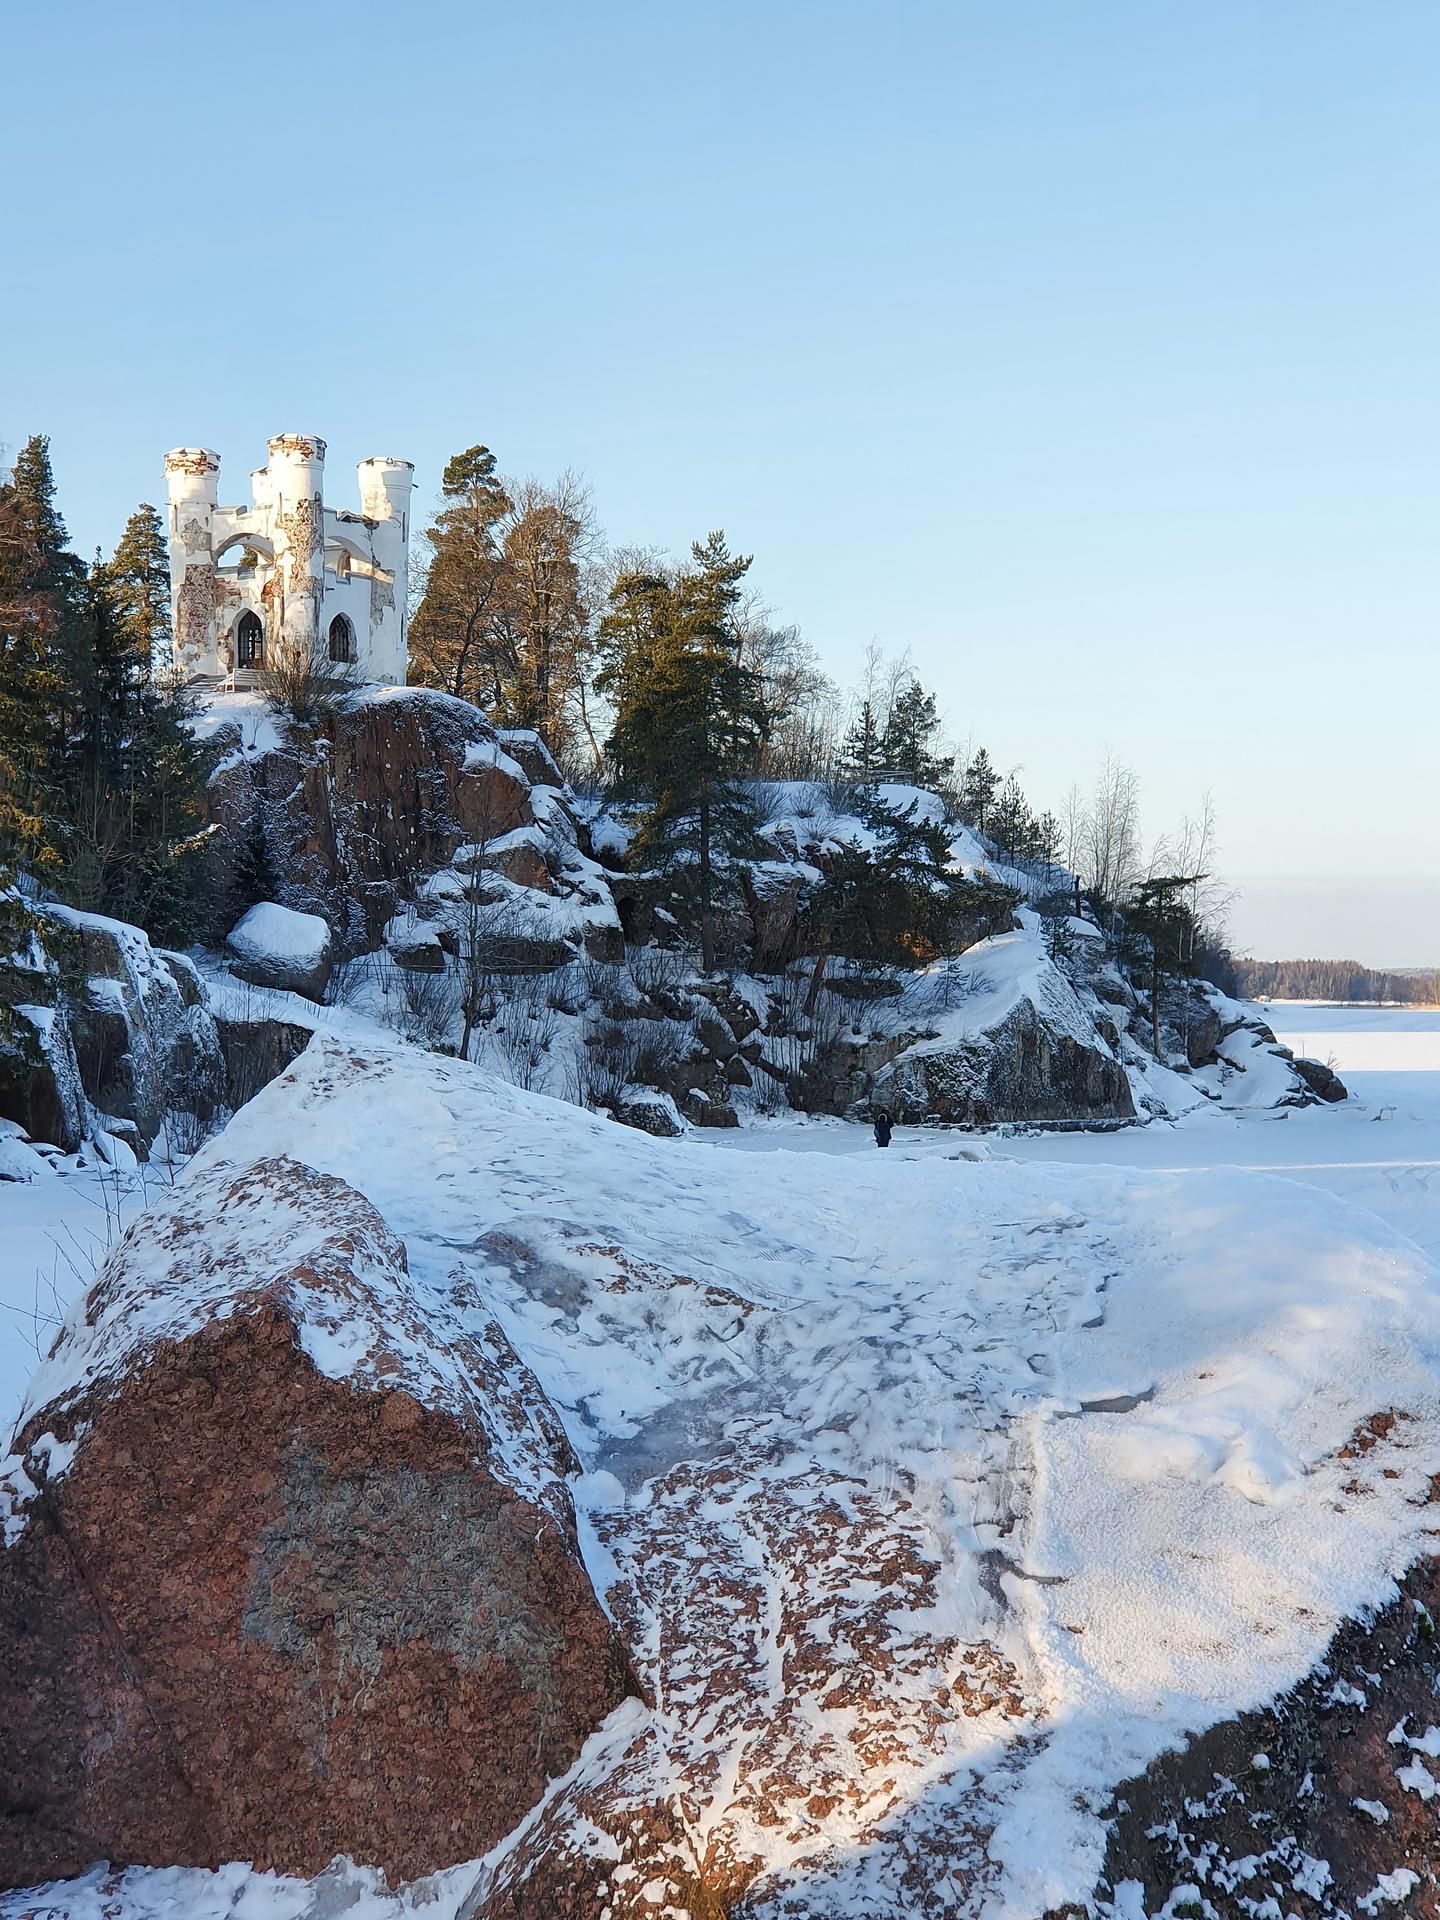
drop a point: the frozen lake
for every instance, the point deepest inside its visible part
(1380, 1149)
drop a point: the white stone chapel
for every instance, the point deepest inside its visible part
(287, 574)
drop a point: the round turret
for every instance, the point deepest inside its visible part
(192, 474)
(297, 467)
(385, 487)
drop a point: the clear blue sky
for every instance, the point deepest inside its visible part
(1086, 348)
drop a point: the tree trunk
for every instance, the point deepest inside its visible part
(817, 978)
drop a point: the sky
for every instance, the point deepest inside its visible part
(1086, 351)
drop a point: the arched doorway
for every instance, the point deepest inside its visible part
(249, 640)
(342, 641)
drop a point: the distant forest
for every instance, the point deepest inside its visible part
(1336, 980)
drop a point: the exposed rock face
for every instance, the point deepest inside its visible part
(650, 1112)
(1329, 1793)
(355, 817)
(1026, 1069)
(257, 1052)
(291, 1566)
(102, 1027)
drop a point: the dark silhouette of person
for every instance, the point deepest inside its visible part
(882, 1128)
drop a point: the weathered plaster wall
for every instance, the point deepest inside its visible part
(307, 563)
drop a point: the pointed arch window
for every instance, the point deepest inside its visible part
(249, 640)
(342, 641)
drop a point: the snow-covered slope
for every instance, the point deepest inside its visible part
(933, 1497)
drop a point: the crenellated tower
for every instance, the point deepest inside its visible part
(287, 577)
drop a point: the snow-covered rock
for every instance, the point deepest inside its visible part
(1011, 1040)
(288, 1533)
(273, 946)
(932, 1498)
(101, 1031)
(649, 1111)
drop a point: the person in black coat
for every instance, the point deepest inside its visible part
(882, 1128)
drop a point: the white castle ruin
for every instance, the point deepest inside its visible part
(288, 576)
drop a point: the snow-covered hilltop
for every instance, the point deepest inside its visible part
(926, 1500)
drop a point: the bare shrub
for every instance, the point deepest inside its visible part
(307, 686)
(524, 1032)
(432, 1004)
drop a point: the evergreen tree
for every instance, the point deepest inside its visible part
(690, 719)
(30, 689)
(32, 483)
(130, 778)
(452, 637)
(977, 793)
(1012, 825)
(898, 901)
(139, 577)
(862, 750)
(1160, 925)
(40, 581)
(910, 726)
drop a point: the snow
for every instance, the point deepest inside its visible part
(965, 998)
(490, 755)
(281, 936)
(55, 1232)
(1098, 1383)
(252, 717)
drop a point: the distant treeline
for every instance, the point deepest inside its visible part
(1336, 980)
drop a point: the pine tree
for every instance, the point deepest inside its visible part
(977, 792)
(862, 750)
(29, 693)
(40, 580)
(32, 483)
(1012, 825)
(453, 634)
(910, 727)
(1160, 925)
(130, 779)
(690, 719)
(139, 576)
(898, 901)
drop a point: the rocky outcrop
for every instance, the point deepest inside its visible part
(1328, 1793)
(1024, 1069)
(409, 802)
(256, 1051)
(291, 1567)
(352, 818)
(1321, 1080)
(102, 1032)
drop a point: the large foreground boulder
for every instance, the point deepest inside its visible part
(291, 1568)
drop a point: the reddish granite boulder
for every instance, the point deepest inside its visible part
(1329, 1794)
(290, 1565)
